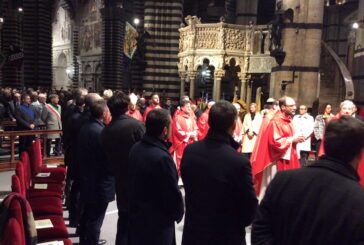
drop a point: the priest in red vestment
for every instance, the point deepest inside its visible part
(133, 110)
(202, 123)
(154, 104)
(184, 131)
(277, 147)
(346, 108)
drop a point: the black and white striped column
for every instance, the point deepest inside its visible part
(113, 28)
(162, 20)
(37, 37)
(11, 35)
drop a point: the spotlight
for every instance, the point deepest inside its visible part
(1, 20)
(355, 25)
(20, 9)
(136, 21)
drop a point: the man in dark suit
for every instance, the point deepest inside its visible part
(220, 199)
(117, 139)
(25, 120)
(320, 204)
(96, 178)
(155, 201)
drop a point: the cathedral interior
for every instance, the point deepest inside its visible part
(251, 50)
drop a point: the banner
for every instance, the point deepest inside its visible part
(130, 40)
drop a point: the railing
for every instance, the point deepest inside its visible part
(4, 166)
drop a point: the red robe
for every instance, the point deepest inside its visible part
(135, 114)
(203, 125)
(182, 125)
(149, 108)
(361, 164)
(274, 145)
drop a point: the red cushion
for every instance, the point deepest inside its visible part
(16, 213)
(35, 155)
(55, 177)
(46, 206)
(13, 233)
(20, 173)
(59, 230)
(16, 186)
(24, 156)
(43, 193)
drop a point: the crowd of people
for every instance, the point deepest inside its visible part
(118, 144)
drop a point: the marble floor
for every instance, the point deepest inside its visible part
(108, 230)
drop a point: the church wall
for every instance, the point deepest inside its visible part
(61, 49)
(90, 42)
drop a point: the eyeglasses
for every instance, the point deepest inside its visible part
(290, 105)
(303, 109)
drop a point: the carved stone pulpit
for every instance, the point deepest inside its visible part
(219, 43)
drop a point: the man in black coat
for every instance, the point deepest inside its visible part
(220, 199)
(117, 139)
(322, 203)
(155, 201)
(96, 178)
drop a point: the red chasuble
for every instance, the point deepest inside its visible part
(274, 144)
(182, 127)
(149, 108)
(135, 114)
(203, 125)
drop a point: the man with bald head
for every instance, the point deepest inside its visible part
(280, 146)
(80, 116)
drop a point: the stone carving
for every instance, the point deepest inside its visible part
(235, 39)
(192, 20)
(219, 43)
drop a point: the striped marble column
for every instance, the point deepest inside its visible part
(76, 53)
(11, 35)
(162, 20)
(137, 62)
(112, 47)
(37, 35)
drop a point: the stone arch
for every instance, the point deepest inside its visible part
(213, 61)
(60, 75)
(66, 5)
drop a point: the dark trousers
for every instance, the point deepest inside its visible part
(57, 148)
(122, 229)
(25, 142)
(91, 221)
(74, 204)
(247, 155)
(304, 157)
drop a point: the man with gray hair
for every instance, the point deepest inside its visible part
(51, 115)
